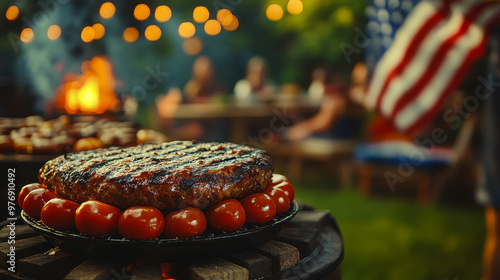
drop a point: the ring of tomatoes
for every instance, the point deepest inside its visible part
(95, 218)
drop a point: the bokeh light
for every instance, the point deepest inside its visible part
(295, 7)
(141, 12)
(225, 17)
(12, 13)
(99, 31)
(200, 14)
(130, 34)
(233, 25)
(212, 27)
(274, 12)
(163, 13)
(27, 35)
(107, 10)
(88, 34)
(192, 46)
(152, 33)
(344, 15)
(54, 32)
(187, 30)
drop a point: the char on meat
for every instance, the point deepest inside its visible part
(170, 175)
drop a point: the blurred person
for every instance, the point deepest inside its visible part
(359, 80)
(316, 89)
(337, 118)
(202, 86)
(256, 86)
(166, 106)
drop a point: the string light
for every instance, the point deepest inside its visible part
(295, 7)
(163, 13)
(212, 27)
(12, 13)
(274, 12)
(99, 31)
(141, 12)
(225, 17)
(88, 34)
(54, 32)
(130, 34)
(187, 30)
(200, 14)
(27, 35)
(152, 33)
(233, 25)
(107, 10)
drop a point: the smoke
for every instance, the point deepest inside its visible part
(40, 59)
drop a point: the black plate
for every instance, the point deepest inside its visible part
(211, 241)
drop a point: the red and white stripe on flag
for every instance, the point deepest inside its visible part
(428, 59)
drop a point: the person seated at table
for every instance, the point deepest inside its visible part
(359, 78)
(337, 118)
(166, 106)
(316, 89)
(256, 86)
(202, 86)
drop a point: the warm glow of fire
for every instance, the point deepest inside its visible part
(85, 98)
(167, 271)
(92, 92)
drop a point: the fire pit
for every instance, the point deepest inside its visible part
(92, 92)
(308, 247)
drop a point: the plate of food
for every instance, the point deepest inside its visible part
(175, 198)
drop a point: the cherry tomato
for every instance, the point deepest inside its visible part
(280, 181)
(26, 190)
(259, 207)
(35, 200)
(280, 199)
(277, 179)
(141, 222)
(287, 187)
(188, 222)
(95, 218)
(227, 215)
(59, 214)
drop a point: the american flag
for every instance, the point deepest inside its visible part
(429, 57)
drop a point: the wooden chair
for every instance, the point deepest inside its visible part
(431, 180)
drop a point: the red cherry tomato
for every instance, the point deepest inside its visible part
(141, 222)
(277, 179)
(280, 199)
(287, 187)
(188, 222)
(59, 214)
(35, 200)
(259, 208)
(26, 190)
(227, 215)
(95, 218)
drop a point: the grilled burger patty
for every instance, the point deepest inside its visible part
(167, 176)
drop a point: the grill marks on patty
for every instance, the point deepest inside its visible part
(166, 175)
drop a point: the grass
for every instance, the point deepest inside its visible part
(390, 238)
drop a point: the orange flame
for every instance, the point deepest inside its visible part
(167, 271)
(92, 92)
